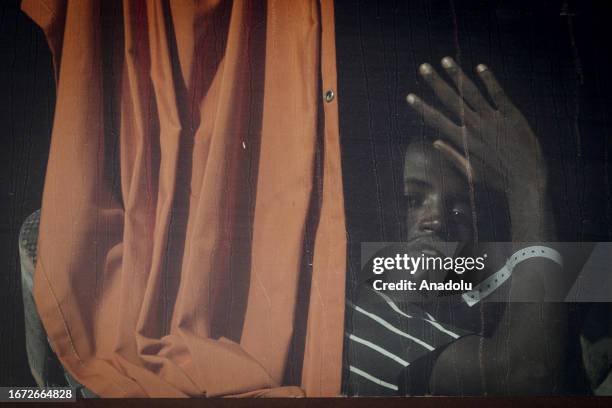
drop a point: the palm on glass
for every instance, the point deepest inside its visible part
(492, 143)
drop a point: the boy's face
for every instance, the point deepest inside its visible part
(438, 201)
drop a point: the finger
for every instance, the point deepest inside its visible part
(473, 168)
(466, 87)
(447, 95)
(435, 119)
(496, 92)
(456, 158)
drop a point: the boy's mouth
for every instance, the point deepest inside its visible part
(431, 247)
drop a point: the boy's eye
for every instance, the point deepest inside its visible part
(460, 211)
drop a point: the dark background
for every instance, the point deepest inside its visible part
(552, 57)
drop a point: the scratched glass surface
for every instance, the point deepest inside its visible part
(552, 62)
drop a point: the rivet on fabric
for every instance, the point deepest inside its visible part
(329, 95)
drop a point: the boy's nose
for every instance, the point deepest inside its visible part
(432, 221)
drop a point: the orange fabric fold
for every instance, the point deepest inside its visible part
(192, 238)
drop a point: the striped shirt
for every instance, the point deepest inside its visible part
(385, 336)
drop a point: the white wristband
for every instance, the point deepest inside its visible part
(489, 285)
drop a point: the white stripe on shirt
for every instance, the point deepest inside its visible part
(379, 349)
(433, 321)
(390, 327)
(372, 378)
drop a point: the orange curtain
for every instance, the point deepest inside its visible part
(192, 239)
